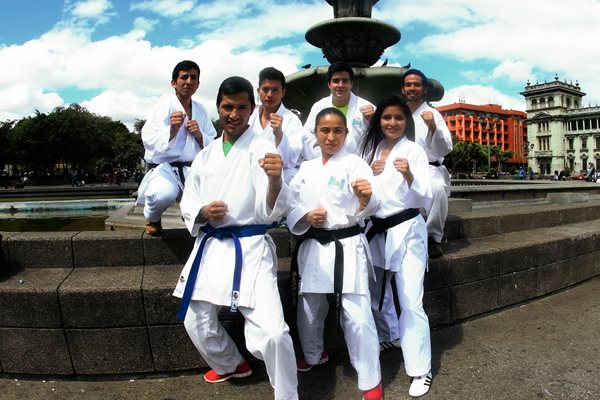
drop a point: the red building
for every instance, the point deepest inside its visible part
(488, 125)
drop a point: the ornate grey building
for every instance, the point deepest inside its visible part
(560, 131)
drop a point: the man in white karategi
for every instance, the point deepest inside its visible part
(434, 137)
(357, 110)
(275, 122)
(175, 131)
(234, 191)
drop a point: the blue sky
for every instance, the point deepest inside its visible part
(115, 57)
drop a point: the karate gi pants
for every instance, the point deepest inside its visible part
(413, 326)
(359, 331)
(267, 337)
(164, 187)
(438, 210)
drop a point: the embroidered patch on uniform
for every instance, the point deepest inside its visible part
(336, 183)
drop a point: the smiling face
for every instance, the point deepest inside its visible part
(186, 84)
(393, 123)
(331, 134)
(340, 86)
(234, 113)
(413, 89)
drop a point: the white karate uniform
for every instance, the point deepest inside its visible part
(329, 186)
(403, 251)
(440, 145)
(356, 123)
(239, 181)
(162, 185)
(290, 146)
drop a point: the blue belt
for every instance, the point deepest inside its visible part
(233, 232)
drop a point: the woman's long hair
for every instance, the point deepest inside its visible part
(374, 134)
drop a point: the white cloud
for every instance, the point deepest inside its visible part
(144, 24)
(88, 11)
(167, 8)
(537, 37)
(478, 94)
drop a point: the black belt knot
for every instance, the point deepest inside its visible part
(324, 236)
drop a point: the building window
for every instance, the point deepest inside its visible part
(550, 101)
(584, 143)
(534, 104)
(542, 103)
(568, 102)
(597, 143)
(570, 143)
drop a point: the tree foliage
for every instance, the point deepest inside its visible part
(71, 137)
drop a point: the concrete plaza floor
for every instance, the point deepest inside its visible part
(547, 349)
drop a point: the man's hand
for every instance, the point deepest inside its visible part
(362, 190)
(367, 111)
(176, 121)
(215, 211)
(378, 166)
(317, 217)
(429, 121)
(276, 121)
(272, 165)
(193, 127)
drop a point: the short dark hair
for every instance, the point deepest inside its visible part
(235, 85)
(272, 74)
(327, 111)
(414, 71)
(184, 65)
(374, 133)
(340, 66)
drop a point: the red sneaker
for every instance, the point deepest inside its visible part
(303, 366)
(243, 370)
(374, 394)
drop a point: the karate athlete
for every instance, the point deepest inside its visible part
(174, 132)
(275, 122)
(234, 191)
(357, 110)
(332, 198)
(432, 134)
(398, 238)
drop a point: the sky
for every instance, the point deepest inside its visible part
(115, 57)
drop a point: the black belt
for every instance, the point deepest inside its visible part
(435, 163)
(379, 225)
(176, 164)
(324, 236)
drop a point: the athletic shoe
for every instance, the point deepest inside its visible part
(243, 370)
(303, 366)
(374, 394)
(153, 228)
(394, 344)
(420, 385)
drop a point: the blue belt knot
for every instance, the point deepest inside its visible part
(227, 232)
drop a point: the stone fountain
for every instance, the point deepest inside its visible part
(356, 38)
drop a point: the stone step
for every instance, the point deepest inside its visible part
(120, 318)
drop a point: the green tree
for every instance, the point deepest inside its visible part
(464, 154)
(5, 153)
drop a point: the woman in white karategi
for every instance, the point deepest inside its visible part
(398, 237)
(332, 198)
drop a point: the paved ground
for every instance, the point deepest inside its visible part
(548, 349)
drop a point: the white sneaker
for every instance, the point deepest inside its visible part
(394, 344)
(419, 385)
